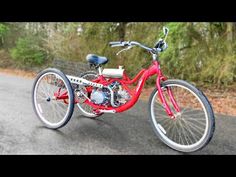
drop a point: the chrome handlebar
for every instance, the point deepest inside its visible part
(131, 44)
(160, 46)
(128, 44)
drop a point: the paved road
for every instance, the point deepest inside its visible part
(126, 133)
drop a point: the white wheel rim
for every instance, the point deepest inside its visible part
(166, 139)
(54, 104)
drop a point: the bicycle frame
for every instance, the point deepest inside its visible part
(144, 74)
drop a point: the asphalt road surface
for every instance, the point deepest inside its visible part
(126, 133)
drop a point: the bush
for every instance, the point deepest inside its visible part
(3, 31)
(202, 53)
(28, 52)
(5, 59)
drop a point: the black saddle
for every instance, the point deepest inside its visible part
(96, 60)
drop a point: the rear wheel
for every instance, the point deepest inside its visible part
(86, 109)
(54, 113)
(194, 125)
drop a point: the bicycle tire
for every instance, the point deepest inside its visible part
(70, 93)
(210, 119)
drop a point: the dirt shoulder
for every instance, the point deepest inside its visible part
(17, 72)
(223, 101)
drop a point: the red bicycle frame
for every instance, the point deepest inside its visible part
(144, 74)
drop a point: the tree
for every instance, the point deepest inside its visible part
(122, 30)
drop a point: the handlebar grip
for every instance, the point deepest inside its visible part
(159, 44)
(115, 43)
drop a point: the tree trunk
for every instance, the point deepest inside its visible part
(122, 30)
(230, 36)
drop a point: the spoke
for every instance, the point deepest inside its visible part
(46, 85)
(195, 126)
(200, 121)
(59, 110)
(186, 135)
(189, 110)
(197, 121)
(190, 128)
(163, 116)
(51, 86)
(195, 114)
(180, 138)
(61, 107)
(192, 134)
(184, 132)
(158, 103)
(184, 110)
(158, 107)
(42, 88)
(171, 125)
(50, 112)
(165, 123)
(173, 132)
(41, 101)
(59, 115)
(40, 97)
(193, 117)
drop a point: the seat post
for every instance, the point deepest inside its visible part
(99, 70)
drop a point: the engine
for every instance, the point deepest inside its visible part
(102, 96)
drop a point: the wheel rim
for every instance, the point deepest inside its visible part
(189, 131)
(85, 108)
(51, 111)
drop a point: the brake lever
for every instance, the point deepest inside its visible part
(124, 50)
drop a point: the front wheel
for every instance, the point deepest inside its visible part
(194, 125)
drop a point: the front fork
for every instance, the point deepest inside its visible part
(163, 99)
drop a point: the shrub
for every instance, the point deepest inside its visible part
(3, 31)
(5, 59)
(28, 52)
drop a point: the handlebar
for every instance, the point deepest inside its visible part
(160, 46)
(132, 44)
(128, 43)
(119, 43)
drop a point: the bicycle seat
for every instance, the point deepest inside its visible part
(96, 60)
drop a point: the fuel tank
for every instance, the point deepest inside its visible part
(113, 72)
